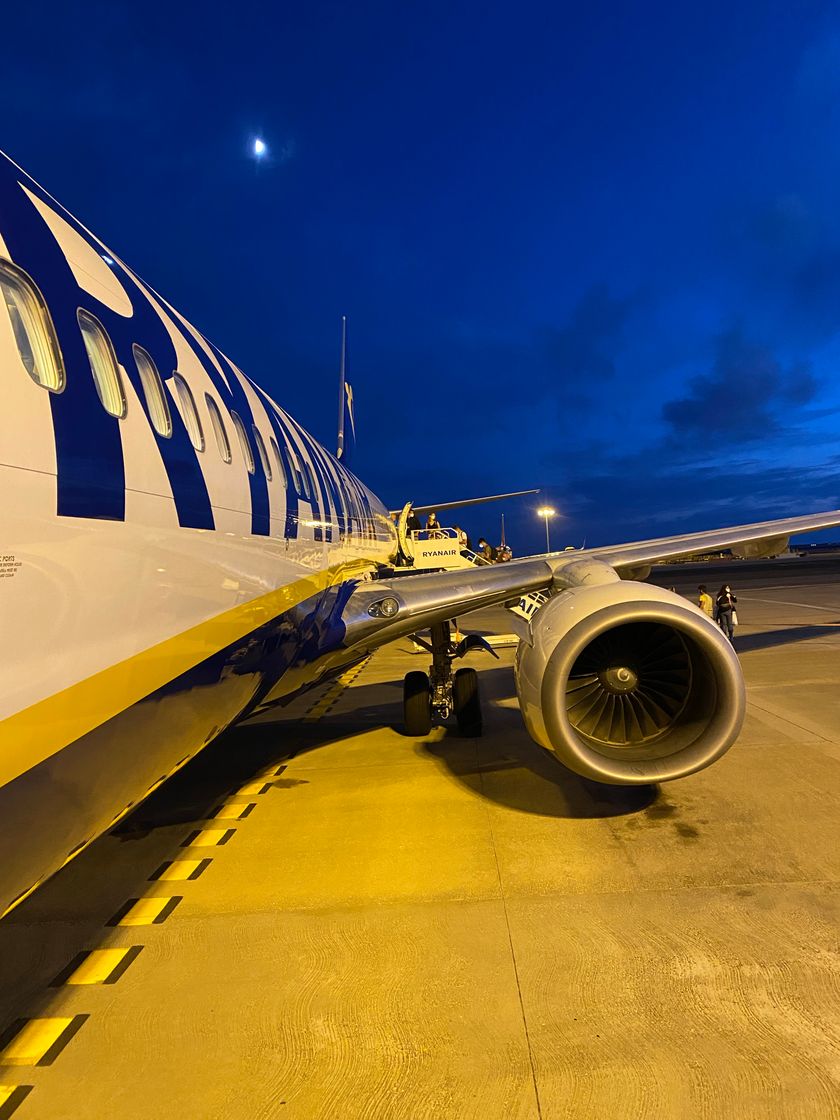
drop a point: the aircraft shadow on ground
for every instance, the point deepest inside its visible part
(504, 765)
(767, 639)
(509, 768)
(70, 913)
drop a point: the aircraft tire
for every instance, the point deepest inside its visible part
(417, 704)
(467, 702)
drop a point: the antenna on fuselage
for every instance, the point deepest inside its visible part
(346, 419)
(341, 381)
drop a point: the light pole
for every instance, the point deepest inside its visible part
(545, 512)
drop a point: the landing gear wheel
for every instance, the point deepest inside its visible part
(467, 702)
(417, 704)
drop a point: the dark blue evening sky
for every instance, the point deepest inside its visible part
(595, 250)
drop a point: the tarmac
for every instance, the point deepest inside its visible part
(321, 918)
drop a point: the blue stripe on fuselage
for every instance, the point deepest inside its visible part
(88, 447)
(89, 458)
(236, 399)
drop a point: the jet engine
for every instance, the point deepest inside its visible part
(628, 684)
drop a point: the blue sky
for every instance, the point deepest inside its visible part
(596, 251)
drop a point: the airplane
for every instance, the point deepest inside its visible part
(177, 554)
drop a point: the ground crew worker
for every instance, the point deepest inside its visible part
(705, 602)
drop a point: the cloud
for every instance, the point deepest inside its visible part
(744, 397)
(584, 349)
(643, 497)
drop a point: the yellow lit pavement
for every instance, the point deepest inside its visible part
(339, 922)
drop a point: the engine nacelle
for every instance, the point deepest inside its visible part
(628, 684)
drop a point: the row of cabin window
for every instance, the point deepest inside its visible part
(40, 353)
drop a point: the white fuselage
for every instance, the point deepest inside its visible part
(151, 592)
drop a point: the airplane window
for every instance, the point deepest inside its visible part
(258, 439)
(218, 423)
(155, 396)
(103, 364)
(281, 470)
(354, 508)
(346, 505)
(304, 483)
(188, 409)
(247, 453)
(32, 327)
(310, 480)
(300, 484)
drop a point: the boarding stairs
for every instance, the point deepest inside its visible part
(442, 550)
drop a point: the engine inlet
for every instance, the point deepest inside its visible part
(629, 685)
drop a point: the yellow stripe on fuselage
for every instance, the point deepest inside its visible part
(41, 730)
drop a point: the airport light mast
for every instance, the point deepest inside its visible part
(545, 512)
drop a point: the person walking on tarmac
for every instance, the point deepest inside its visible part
(705, 602)
(726, 610)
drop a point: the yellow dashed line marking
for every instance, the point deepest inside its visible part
(10, 1097)
(272, 771)
(330, 697)
(98, 966)
(254, 788)
(145, 911)
(260, 783)
(38, 1042)
(234, 812)
(179, 870)
(209, 838)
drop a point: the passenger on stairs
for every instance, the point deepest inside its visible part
(487, 550)
(432, 526)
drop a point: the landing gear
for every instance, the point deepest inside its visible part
(417, 708)
(440, 671)
(440, 694)
(467, 702)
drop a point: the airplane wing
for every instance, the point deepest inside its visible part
(765, 538)
(625, 682)
(424, 599)
(464, 502)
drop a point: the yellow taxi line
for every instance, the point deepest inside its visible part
(180, 870)
(232, 811)
(253, 788)
(11, 1097)
(100, 966)
(152, 911)
(330, 697)
(209, 838)
(38, 1042)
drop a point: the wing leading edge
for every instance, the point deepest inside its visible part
(422, 600)
(751, 538)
